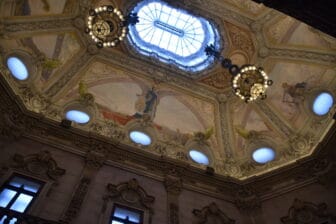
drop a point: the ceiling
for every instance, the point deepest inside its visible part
(300, 60)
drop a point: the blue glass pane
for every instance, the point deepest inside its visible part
(17, 68)
(116, 222)
(123, 213)
(77, 116)
(5, 197)
(140, 138)
(263, 155)
(21, 203)
(28, 185)
(322, 103)
(12, 221)
(199, 157)
(173, 35)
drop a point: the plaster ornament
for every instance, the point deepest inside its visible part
(203, 137)
(211, 214)
(302, 144)
(308, 213)
(41, 163)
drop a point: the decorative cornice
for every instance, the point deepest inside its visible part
(41, 129)
(23, 26)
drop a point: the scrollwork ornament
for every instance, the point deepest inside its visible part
(302, 212)
(301, 145)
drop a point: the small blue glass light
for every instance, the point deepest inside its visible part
(17, 68)
(77, 116)
(140, 138)
(263, 155)
(199, 157)
(322, 103)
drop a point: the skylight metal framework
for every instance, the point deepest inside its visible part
(172, 35)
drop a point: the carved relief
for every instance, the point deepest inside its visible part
(76, 201)
(218, 80)
(41, 164)
(211, 214)
(247, 199)
(303, 212)
(132, 194)
(241, 39)
(173, 184)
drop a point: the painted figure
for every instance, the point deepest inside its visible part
(146, 104)
(294, 93)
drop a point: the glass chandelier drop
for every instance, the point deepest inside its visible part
(107, 26)
(249, 82)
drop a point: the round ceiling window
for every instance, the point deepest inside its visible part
(199, 157)
(140, 138)
(322, 103)
(17, 68)
(77, 116)
(263, 155)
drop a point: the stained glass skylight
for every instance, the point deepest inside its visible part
(172, 35)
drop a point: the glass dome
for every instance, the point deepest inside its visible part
(140, 138)
(322, 103)
(263, 155)
(198, 157)
(172, 35)
(17, 68)
(77, 116)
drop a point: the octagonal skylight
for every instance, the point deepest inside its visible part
(17, 68)
(172, 35)
(263, 155)
(77, 116)
(199, 157)
(140, 138)
(322, 103)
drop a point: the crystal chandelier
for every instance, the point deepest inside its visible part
(107, 26)
(248, 82)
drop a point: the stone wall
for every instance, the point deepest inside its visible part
(77, 188)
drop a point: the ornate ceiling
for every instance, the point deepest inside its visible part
(299, 59)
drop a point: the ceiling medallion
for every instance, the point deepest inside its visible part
(107, 26)
(249, 82)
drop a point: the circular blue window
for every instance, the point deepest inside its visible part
(172, 35)
(77, 116)
(199, 157)
(322, 103)
(17, 68)
(263, 155)
(140, 138)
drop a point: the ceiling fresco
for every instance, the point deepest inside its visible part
(123, 90)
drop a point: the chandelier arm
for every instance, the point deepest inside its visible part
(248, 81)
